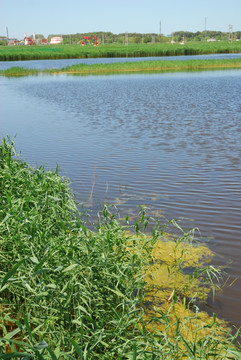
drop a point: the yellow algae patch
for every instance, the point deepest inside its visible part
(175, 268)
(174, 283)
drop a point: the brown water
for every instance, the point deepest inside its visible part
(171, 142)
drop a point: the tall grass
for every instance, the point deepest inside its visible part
(8, 53)
(154, 66)
(70, 293)
(128, 67)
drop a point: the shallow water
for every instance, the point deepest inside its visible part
(167, 141)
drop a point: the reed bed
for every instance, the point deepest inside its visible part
(70, 293)
(150, 66)
(15, 53)
(131, 67)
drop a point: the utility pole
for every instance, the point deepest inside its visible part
(126, 38)
(7, 32)
(230, 28)
(205, 27)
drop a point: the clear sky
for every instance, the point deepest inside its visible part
(143, 16)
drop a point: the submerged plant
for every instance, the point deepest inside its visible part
(70, 293)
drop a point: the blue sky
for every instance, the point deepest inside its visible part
(144, 16)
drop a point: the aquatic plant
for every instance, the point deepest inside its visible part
(71, 293)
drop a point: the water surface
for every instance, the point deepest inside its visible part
(171, 142)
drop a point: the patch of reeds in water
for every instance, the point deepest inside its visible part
(70, 293)
(131, 67)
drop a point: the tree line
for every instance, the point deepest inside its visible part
(137, 38)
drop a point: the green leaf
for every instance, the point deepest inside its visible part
(70, 267)
(12, 333)
(52, 354)
(11, 273)
(117, 292)
(18, 355)
(77, 348)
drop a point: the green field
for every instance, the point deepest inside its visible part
(12, 53)
(68, 292)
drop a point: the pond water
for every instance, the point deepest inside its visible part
(170, 141)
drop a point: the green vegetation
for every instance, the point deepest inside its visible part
(71, 293)
(10, 53)
(128, 67)
(145, 66)
(137, 38)
(16, 70)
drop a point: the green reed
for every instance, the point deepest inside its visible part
(132, 67)
(11, 53)
(19, 71)
(70, 293)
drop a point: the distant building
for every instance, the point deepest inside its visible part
(56, 40)
(210, 40)
(13, 41)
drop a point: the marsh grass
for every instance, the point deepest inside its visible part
(11, 53)
(132, 67)
(70, 293)
(152, 66)
(19, 71)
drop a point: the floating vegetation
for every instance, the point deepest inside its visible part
(114, 293)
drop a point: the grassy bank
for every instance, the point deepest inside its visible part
(128, 67)
(15, 53)
(114, 293)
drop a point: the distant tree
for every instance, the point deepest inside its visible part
(147, 39)
(238, 34)
(3, 42)
(137, 40)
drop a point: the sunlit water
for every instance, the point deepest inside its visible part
(171, 142)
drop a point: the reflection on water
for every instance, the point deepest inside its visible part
(167, 141)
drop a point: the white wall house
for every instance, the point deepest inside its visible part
(56, 40)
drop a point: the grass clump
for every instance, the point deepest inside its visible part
(70, 293)
(19, 71)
